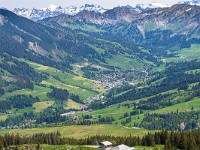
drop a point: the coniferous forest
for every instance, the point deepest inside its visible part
(186, 140)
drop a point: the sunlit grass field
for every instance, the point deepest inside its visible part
(83, 131)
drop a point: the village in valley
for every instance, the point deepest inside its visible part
(105, 79)
(118, 78)
(113, 79)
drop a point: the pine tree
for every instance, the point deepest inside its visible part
(95, 142)
(144, 142)
(157, 138)
(168, 144)
(1, 144)
(38, 146)
(182, 143)
(177, 138)
(58, 133)
(192, 143)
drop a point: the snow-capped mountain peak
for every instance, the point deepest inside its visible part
(151, 5)
(190, 2)
(53, 7)
(53, 10)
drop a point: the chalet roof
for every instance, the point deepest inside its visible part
(106, 143)
(122, 147)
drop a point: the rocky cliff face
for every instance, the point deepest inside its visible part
(111, 17)
(161, 17)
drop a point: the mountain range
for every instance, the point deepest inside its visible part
(163, 29)
(53, 10)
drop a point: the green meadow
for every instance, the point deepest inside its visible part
(83, 131)
(124, 62)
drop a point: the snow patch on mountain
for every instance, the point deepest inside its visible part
(53, 7)
(151, 6)
(53, 10)
(191, 2)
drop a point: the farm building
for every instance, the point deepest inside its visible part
(122, 147)
(105, 144)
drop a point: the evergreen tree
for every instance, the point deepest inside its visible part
(38, 146)
(183, 142)
(95, 142)
(192, 143)
(1, 143)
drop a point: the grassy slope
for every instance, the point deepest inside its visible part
(3, 116)
(3, 132)
(124, 62)
(186, 54)
(118, 112)
(37, 91)
(74, 84)
(71, 104)
(181, 107)
(83, 131)
(77, 85)
(40, 106)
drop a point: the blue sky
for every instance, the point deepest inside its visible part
(10, 4)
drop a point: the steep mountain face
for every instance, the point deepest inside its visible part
(55, 45)
(113, 16)
(53, 10)
(163, 26)
(23, 38)
(161, 16)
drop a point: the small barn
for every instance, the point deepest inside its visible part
(122, 147)
(105, 144)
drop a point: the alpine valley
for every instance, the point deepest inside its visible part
(89, 73)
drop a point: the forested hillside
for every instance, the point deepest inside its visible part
(169, 100)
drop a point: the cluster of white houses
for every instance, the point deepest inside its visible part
(108, 145)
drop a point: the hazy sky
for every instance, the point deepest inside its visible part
(10, 4)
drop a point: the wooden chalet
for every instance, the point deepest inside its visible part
(105, 144)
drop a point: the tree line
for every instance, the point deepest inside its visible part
(185, 140)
